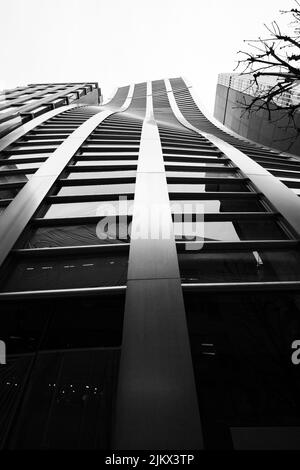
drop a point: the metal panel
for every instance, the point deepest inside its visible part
(156, 403)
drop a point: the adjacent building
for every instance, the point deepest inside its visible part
(149, 281)
(234, 92)
(21, 104)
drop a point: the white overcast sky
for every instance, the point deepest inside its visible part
(117, 42)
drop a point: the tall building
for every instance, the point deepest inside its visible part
(149, 281)
(277, 130)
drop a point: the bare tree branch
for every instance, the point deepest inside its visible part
(275, 56)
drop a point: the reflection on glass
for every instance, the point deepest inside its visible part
(215, 206)
(227, 230)
(89, 209)
(211, 187)
(101, 174)
(16, 156)
(74, 235)
(6, 110)
(96, 189)
(241, 351)
(9, 193)
(20, 166)
(197, 163)
(61, 409)
(223, 231)
(239, 266)
(18, 178)
(202, 174)
(63, 272)
(118, 155)
(106, 162)
(192, 158)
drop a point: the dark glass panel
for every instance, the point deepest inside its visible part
(57, 323)
(14, 178)
(20, 166)
(241, 350)
(219, 205)
(239, 266)
(15, 156)
(202, 174)
(229, 231)
(211, 187)
(65, 272)
(198, 163)
(12, 378)
(69, 235)
(68, 404)
(102, 174)
(103, 162)
(102, 327)
(9, 193)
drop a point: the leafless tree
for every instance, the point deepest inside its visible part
(277, 55)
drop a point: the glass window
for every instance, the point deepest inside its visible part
(239, 266)
(8, 110)
(116, 154)
(210, 187)
(70, 399)
(20, 166)
(96, 189)
(106, 162)
(229, 231)
(65, 329)
(9, 193)
(72, 235)
(18, 178)
(71, 96)
(241, 352)
(91, 208)
(202, 174)
(197, 163)
(58, 100)
(15, 156)
(193, 158)
(102, 174)
(39, 109)
(24, 322)
(41, 148)
(66, 272)
(217, 205)
(33, 100)
(13, 378)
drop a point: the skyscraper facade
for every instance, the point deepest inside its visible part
(149, 281)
